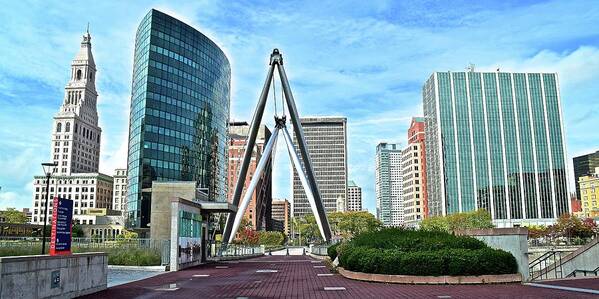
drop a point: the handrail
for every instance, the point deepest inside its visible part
(545, 267)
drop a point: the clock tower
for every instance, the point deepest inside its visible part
(76, 134)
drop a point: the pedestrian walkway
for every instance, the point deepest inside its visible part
(296, 276)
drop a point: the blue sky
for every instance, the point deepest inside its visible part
(366, 60)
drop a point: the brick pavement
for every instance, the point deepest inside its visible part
(296, 277)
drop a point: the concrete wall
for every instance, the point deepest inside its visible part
(585, 258)
(31, 276)
(160, 217)
(513, 240)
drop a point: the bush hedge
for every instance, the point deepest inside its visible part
(332, 251)
(431, 254)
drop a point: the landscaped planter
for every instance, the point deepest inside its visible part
(412, 279)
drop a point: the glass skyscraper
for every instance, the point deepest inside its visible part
(495, 141)
(179, 113)
(389, 184)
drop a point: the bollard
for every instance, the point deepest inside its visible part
(288, 251)
(270, 252)
(304, 251)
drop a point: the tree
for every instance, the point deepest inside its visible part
(572, 227)
(127, 235)
(467, 220)
(271, 238)
(11, 215)
(349, 224)
(247, 236)
(77, 231)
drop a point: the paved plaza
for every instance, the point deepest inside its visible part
(305, 277)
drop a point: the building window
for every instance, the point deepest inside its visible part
(78, 76)
(58, 127)
(67, 127)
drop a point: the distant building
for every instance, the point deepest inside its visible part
(281, 215)
(179, 114)
(258, 211)
(354, 197)
(495, 141)
(28, 213)
(389, 184)
(589, 191)
(326, 138)
(414, 174)
(119, 195)
(584, 166)
(76, 147)
(87, 190)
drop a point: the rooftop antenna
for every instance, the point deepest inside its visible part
(470, 67)
(87, 30)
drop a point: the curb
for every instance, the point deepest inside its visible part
(411, 279)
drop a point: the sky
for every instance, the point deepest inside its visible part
(365, 60)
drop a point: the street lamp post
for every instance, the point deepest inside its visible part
(48, 167)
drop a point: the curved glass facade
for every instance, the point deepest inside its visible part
(179, 112)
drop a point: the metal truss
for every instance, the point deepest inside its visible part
(307, 177)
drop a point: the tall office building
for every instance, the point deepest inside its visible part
(119, 190)
(179, 113)
(76, 146)
(495, 141)
(584, 166)
(389, 184)
(354, 197)
(326, 138)
(281, 215)
(258, 211)
(414, 174)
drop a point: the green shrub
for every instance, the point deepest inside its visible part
(431, 254)
(332, 251)
(271, 238)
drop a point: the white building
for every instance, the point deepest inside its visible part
(389, 184)
(119, 195)
(326, 138)
(76, 146)
(354, 197)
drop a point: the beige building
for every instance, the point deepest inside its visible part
(413, 187)
(87, 190)
(354, 197)
(281, 214)
(589, 193)
(119, 195)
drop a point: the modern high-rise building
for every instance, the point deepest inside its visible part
(584, 166)
(326, 138)
(354, 197)
(495, 141)
(119, 190)
(281, 215)
(258, 211)
(76, 147)
(414, 174)
(179, 113)
(389, 184)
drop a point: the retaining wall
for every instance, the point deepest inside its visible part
(45, 276)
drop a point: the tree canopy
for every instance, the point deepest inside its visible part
(11, 215)
(467, 220)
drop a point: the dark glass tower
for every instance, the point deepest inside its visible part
(179, 113)
(495, 141)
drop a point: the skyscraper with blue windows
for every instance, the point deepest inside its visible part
(496, 141)
(179, 113)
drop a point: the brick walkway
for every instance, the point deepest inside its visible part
(297, 277)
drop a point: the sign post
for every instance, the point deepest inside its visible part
(62, 218)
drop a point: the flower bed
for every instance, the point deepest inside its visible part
(409, 252)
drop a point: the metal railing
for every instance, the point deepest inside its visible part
(550, 262)
(583, 273)
(232, 250)
(319, 250)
